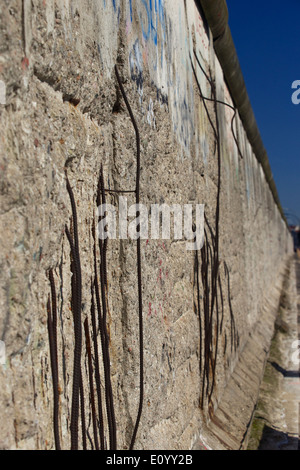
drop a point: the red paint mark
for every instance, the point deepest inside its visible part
(147, 242)
(162, 313)
(25, 63)
(150, 310)
(203, 446)
(160, 262)
(36, 143)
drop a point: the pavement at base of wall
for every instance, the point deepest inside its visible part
(276, 419)
(276, 424)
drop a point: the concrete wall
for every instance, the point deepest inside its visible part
(63, 109)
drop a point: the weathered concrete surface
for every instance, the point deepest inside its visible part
(64, 110)
(231, 426)
(276, 419)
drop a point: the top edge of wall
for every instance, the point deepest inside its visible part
(216, 13)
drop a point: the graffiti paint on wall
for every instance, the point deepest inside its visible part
(152, 17)
(150, 36)
(136, 65)
(161, 47)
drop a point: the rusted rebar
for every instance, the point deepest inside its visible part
(139, 268)
(103, 326)
(77, 321)
(90, 370)
(97, 366)
(51, 322)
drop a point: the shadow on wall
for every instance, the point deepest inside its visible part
(284, 372)
(209, 305)
(272, 439)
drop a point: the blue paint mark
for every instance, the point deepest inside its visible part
(153, 28)
(130, 5)
(136, 65)
(155, 13)
(161, 16)
(114, 5)
(146, 34)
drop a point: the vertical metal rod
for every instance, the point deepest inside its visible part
(105, 338)
(54, 366)
(77, 324)
(139, 268)
(83, 427)
(90, 369)
(97, 367)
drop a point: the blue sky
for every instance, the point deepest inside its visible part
(267, 39)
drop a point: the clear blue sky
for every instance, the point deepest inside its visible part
(266, 34)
